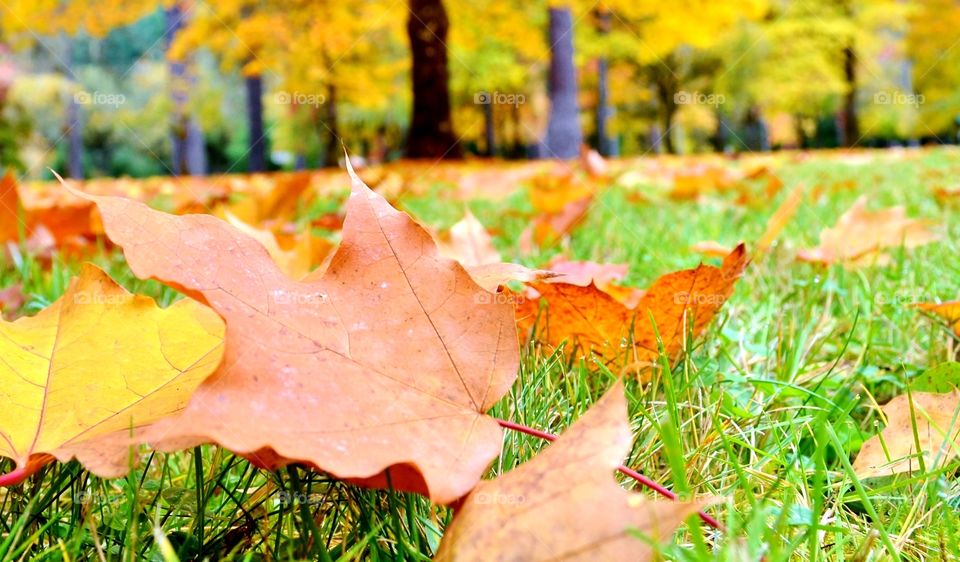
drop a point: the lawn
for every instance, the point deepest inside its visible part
(765, 411)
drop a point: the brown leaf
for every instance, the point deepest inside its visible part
(677, 302)
(565, 503)
(937, 433)
(385, 361)
(860, 236)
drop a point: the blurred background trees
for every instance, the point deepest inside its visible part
(139, 87)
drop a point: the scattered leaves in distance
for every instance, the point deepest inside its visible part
(861, 236)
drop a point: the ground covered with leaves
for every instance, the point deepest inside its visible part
(759, 402)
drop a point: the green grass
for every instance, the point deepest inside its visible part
(766, 411)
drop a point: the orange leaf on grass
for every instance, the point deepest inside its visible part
(680, 302)
(861, 236)
(565, 504)
(99, 362)
(385, 361)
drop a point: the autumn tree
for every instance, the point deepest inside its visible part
(497, 47)
(669, 45)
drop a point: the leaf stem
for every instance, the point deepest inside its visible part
(643, 480)
(35, 463)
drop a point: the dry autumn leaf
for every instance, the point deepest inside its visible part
(677, 303)
(860, 236)
(565, 503)
(895, 449)
(76, 378)
(387, 360)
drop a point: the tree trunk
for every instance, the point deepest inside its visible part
(668, 108)
(189, 149)
(257, 156)
(333, 146)
(564, 136)
(74, 124)
(851, 129)
(604, 111)
(488, 131)
(431, 127)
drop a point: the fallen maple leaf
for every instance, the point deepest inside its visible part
(895, 449)
(677, 303)
(387, 360)
(76, 378)
(860, 236)
(565, 503)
